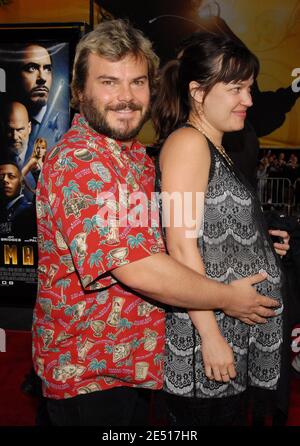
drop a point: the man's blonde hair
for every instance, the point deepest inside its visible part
(113, 40)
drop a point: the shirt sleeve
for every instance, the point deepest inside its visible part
(101, 228)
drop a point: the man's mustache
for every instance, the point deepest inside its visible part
(133, 106)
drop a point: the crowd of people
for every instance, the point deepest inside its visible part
(279, 164)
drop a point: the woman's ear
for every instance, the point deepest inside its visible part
(196, 92)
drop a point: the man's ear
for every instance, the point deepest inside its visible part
(196, 92)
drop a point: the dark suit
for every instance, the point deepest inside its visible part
(18, 219)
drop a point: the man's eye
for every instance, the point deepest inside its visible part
(29, 68)
(108, 82)
(139, 82)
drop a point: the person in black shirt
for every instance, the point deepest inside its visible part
(17, 215)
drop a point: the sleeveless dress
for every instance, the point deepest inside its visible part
(235, 244)
(36, 174)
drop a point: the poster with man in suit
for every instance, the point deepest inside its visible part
(34, 114)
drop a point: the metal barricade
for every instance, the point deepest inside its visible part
(278, 192)
(296, 201)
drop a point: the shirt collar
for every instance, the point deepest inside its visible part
(39, 116)
(12, 202)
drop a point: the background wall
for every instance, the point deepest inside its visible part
(45, 11)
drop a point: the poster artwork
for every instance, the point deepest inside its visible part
(34, 114)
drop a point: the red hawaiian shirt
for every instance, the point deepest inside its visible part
(93, 207)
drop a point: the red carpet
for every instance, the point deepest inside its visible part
(294, 412)
(18, 409)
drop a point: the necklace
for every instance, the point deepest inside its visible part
(219, 148)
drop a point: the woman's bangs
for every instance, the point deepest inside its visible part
(238, 68)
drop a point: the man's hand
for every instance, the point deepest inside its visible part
(283, 246)
(252, 308)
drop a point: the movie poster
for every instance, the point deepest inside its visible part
(34, 114)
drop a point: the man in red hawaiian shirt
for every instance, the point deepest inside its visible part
(98, 343)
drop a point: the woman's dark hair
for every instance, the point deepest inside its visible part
(207, 59)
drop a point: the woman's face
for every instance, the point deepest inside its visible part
(40, 150)
(225, 106)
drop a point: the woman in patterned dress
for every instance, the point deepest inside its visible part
(212, 358)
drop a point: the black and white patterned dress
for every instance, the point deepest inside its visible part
(235, 244)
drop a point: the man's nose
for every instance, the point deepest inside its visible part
(41, 79)
(14, 134)
(125, 93)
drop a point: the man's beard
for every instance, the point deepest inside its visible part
(97, 120)
(35, 104)
(18, 148)
(33, 100)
